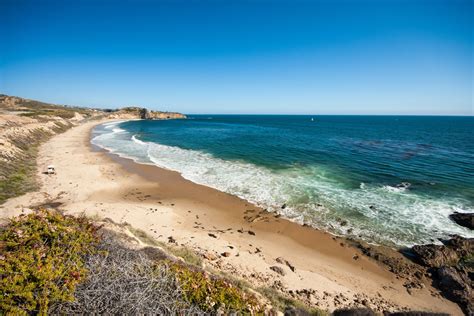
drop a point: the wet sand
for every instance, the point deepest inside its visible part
(320, 269)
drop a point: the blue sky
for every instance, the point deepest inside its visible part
(262, 56)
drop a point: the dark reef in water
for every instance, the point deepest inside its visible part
(463, 219)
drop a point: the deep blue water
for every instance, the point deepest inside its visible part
(393, 179)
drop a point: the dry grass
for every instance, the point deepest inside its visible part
(122, 281)
(188, 255)
(112, 277)
(289, 305)
(18, 173)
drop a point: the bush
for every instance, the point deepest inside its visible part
(42, 260)
(51, 263)
(143, 282)
(124, 281)
(213, 294)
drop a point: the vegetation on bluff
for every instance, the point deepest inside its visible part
(213, 294)
(24, 126)
(57, 264)
(42, 260)
(18, 172)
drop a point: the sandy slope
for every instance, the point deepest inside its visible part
(165, 205)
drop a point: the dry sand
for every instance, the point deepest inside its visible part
(163, 204)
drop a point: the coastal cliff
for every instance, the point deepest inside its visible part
(145, 229)
(24, 125)
(145, 114)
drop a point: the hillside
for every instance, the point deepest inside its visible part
(25, 124)
(112, 269)
(145, 114)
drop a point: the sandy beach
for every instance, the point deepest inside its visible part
(231, 234)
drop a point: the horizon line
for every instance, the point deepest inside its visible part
(274, 114)
(329, 114)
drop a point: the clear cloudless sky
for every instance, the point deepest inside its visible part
(262, 56)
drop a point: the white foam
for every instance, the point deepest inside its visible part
(118, 141)
(402, 187)
(136, 140)
(235, 177)
(387, 214)
(110, 125)
(118, 130)
(397, 216)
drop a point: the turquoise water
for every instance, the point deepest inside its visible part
(386, 179)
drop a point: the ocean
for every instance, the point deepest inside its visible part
(390, 180)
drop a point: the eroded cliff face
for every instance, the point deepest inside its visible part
(9, 102)
(17, 132)
(24, 125)
(22, 121)
(166, 115)
(145, 114)
(35, 109)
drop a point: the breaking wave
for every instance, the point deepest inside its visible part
(388, 214)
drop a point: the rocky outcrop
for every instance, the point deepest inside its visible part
(435, 256)
(354, 312)
(449, 254)
(144, 114)
(395, 263)
(278, 270)
(463, 246)
(285, 262)
(414, 313)
(457, 286)
(9, 102)
(463, 219)
(452, 267)
(156, 115)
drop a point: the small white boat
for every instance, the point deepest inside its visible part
(312, 119)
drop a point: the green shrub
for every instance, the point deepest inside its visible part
(42, 260)
(213, 294)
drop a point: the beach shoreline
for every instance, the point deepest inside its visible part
(231, 234)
